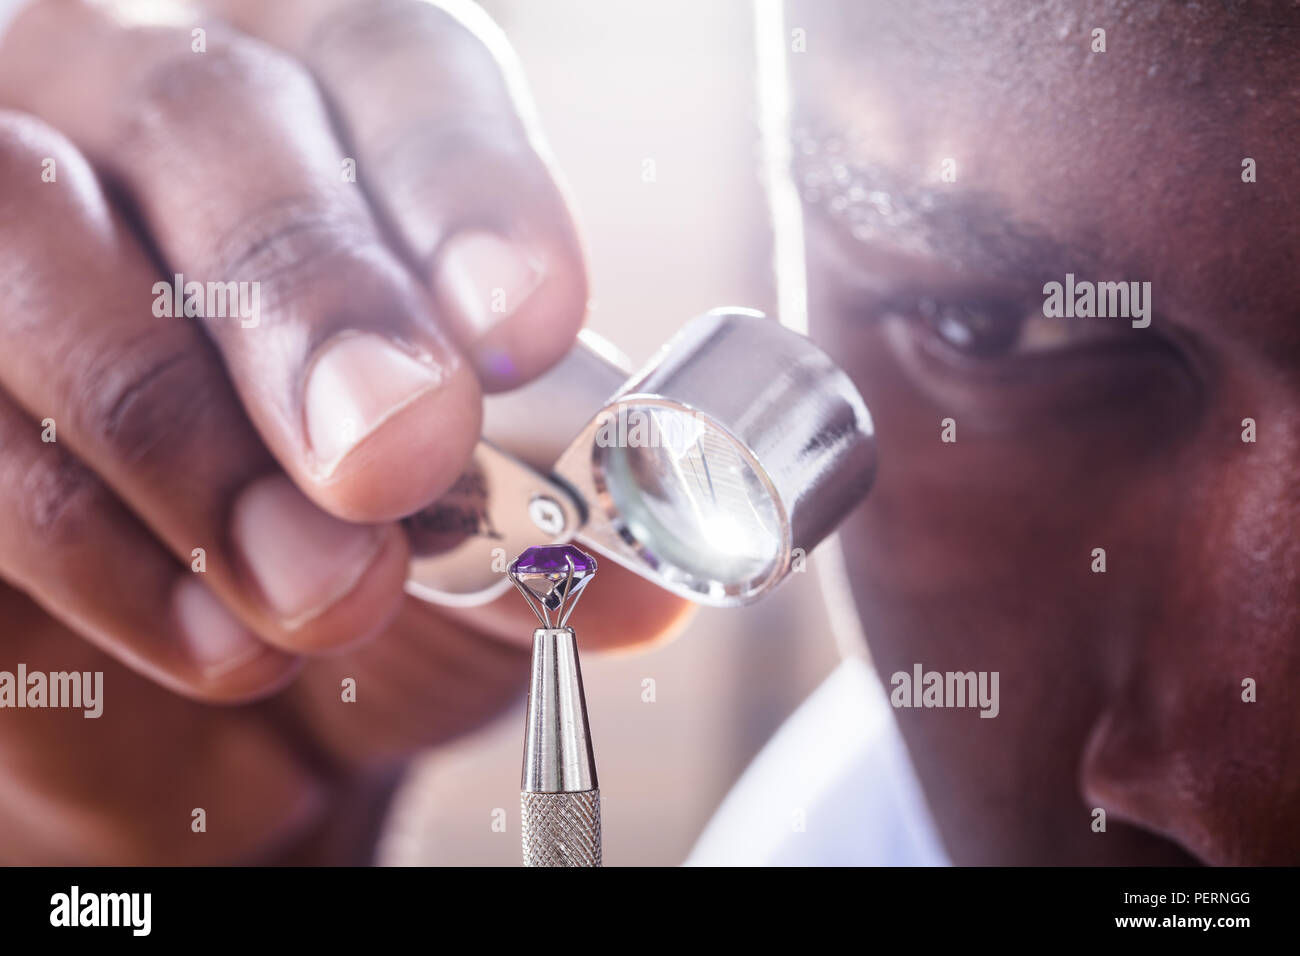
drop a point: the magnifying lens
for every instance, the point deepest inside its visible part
(711, 471)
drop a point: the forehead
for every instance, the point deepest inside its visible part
(1134, 154)
(1190, 43)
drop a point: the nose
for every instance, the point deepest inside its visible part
(1199, 742)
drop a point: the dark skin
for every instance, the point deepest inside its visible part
(223, 687)
(1120, 690)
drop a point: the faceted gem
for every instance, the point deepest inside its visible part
(555, 559)
(544, 571)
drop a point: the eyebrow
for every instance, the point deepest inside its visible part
(872, 204)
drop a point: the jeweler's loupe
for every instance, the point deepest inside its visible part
(731, 455)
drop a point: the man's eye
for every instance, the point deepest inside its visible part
(983, 329)
(993, 328)
(990, 357)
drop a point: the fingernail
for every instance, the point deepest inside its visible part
(303, 559)
(355, 385)
(481, 279)
(214, 638)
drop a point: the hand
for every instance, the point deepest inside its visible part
(271, 446)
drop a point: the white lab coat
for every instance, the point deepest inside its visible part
(833, 787)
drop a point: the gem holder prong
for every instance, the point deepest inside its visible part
(560, 600)
(559, 796)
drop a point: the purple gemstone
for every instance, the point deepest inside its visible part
(544, 573)
(551, 560)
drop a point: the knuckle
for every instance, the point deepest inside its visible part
(25, 138)
(60, 502)
(144, 406)
(363, 29)
(26, 144)
(181, 87)
(47, 190)
(292, 245)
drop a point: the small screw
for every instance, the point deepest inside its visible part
(546, 514)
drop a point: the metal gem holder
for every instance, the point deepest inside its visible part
(564, 608)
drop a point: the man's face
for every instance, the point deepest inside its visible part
(1121, 690)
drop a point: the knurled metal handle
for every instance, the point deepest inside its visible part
(561, 829)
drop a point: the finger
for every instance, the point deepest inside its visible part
(431, 104)
(426, 680)
(69, 543)
(145, 403)
(336, 353)
(113, 790)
